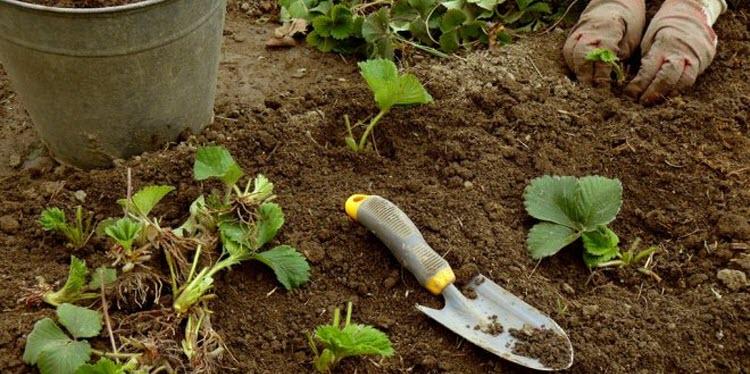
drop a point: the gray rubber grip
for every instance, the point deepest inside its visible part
(394, 228)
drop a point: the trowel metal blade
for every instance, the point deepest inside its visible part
(470, 319)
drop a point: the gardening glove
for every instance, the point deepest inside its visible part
(613, 24)
(678, 46)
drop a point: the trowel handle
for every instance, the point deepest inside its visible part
(394, 228)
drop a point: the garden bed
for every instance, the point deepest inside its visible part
(458, 168)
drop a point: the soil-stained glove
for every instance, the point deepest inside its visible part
(678, 45)
(613, 24)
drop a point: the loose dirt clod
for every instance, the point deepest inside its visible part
(544, 345)
(733, 279)
(493, 327)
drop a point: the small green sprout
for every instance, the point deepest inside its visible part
(75, 288)
(389, 89)
(633, 257)
(572, 208)
(78, 232)
(608, 57)
(344, 341)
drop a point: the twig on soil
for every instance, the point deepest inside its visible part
(673, 165)
(533, 64)
(567, 10)
(107, 320)
(129, 191)
(227, 118)
(565, 112)
(534, 269)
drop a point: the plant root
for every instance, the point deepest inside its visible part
(135, 289)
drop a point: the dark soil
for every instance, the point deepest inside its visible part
(82, 3)
(458, 168)
(545, 345)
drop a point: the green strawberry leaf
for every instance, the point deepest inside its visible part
(343, 22)
(64, 359)
(80, 322)
(52, 219)
(102, 276)
(124, 231)
(376, 31)
(103, 366)
(290, 267)
(552, 198)
(599, 200)
(452, 19)
(545, 239)
(73, 287)
(601, 241)
(45, 335)
(390, 88)
(449, 42)
(270, 219)
(143, 201)
(216, 162)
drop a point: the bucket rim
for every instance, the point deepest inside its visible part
(102, 10)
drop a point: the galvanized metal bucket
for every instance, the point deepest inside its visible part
(108, 83)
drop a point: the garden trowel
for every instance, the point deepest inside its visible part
(488, 316)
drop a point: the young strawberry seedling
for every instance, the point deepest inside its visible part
(573, 208)
(608, 57)
(77, 232)
(75, 289)
(389, 89)
(245, 219)
(344, 341)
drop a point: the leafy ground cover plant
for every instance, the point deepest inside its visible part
(378, 28)
(608, 57)
(57, 351)
(349, 340)
(572, 208)
(77, 232)
(389, 89)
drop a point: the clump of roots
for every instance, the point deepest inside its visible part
(177, 248)
(136, 289)
(130, 259)
(153, 334)
(203, 346)
(34, 296)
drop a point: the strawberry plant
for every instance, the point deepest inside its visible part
(389, 89)
(349, 340)
(377, 28)
(77, 232)
(246, 220)
(573, 208)
(606, 56)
